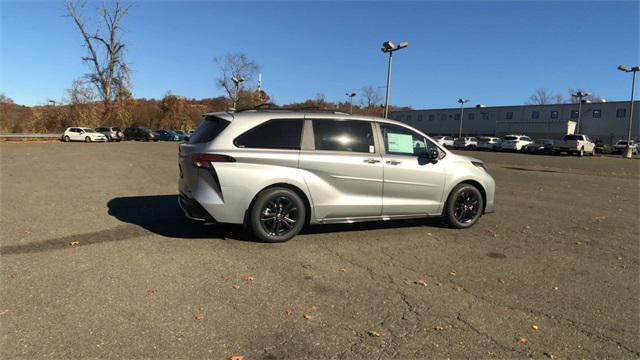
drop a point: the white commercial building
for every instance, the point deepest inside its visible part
(607, 121)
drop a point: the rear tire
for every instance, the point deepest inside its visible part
(87, 139)
(581, 152)
(277, 215)
(464, 206)
(66, 138)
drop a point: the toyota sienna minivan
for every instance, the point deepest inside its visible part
(276, 170)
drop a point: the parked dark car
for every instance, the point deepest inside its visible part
(139, 133)
(601, 147)
(182, 135)
(112, 133)
(166, 135)
(540, 146)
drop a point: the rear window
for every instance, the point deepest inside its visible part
(573, 137)
(273, 134)
(510, 138)
(209, 128)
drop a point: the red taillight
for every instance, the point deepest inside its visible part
(204, 160)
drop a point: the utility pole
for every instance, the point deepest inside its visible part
(462, 101)
(388, 47)
(351, 95)
(629, 153)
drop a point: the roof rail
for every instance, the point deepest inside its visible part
(273, 107)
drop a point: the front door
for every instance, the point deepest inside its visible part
(342, 168)
(412, 185)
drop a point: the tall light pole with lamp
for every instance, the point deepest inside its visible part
(461, 101)
(388, 47)
(580, 95)
(350, 95)
(633, 69)
(236, 81)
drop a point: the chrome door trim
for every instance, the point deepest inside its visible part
(350, 220)
(355, 178)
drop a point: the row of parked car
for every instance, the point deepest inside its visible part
(138, 133)
(578, 144)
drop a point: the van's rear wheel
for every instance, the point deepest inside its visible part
(277, 215)
(464, 206)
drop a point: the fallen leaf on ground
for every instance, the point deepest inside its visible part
(236, 357)
(289, 312)
(314, 308)
(421, 282)
(523, 340)
(556, 288)
(578, 242)
(235, 286)
(458, 288)
(374, 334)
(199, 317)
(153, 291)
(439, 328)
(492, 353)
(249, 278)
(342, 270)
(501, 281)
(308, 317)
(619, 258)
(550, 356)
(535, 327)
(438, 284)
(4, 311)
(452, 273)
(74, 243)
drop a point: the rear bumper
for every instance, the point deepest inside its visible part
(193, 210)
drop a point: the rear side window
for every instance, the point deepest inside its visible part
(273, 134)
(348, 135)
(209, 128)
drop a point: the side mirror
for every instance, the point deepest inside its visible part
(429, 156)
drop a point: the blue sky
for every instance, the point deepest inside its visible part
(493, 52)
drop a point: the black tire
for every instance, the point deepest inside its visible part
(593, 152)
(464, 206)
(87, 139)
(277, 215)
(581, 152)
(66, 138)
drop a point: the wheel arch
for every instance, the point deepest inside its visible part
(294, 188)
(475, 183)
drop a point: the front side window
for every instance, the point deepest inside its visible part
(273, 134)
(402, 141)
(346, 135)
(554, 114)
(621, 113)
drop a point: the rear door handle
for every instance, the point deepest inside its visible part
(371, 161)
(393, 162)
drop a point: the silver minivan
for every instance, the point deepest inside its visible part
(276, 170)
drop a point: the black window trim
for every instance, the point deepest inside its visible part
(417, 132)
(301, 119)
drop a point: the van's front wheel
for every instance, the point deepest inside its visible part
(277, 215)
(464, 206)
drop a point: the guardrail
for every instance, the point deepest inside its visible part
(28, 136)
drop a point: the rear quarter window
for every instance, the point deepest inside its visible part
(210, 127)
(273, 134)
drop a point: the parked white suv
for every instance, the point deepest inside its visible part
(82, 134)
(444, 140)
(465, 143)
(489, 143)
(515, 142)
(276, 170)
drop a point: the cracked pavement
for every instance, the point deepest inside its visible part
(553, 273)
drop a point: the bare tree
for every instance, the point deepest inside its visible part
(105, 50)
(238, 66)
(541, 96)
(371, 96)
(4, 99)
(592, 96)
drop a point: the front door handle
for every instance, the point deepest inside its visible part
(393, 162)
(371, 161)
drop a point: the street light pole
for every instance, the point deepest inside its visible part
(633, 69)
(350, 95)
(388, 47)
(237, 81)
(579, 95)
(462, 101)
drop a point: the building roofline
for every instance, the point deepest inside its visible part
(512, 106)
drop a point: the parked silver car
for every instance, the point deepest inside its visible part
(276, 170)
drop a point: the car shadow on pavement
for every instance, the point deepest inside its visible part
(161, 214)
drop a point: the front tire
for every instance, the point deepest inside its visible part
(87, 139)
(66, 138)
(277, 215)
(464, 206)
(581, 152)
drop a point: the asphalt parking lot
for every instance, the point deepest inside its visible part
(98, 262)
